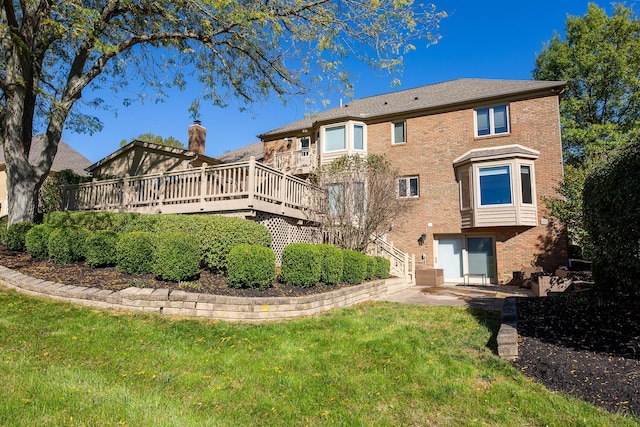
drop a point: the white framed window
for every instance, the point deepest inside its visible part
(304, 144)
(494, 184)
(336, 198)
(526, 184)
(492, 120)
(408, 186)
(349, 136)
(399, 132)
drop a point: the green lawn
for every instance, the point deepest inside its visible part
(372, 364)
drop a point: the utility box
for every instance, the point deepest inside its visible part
(429, 276)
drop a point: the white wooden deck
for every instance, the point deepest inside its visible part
(244, 186)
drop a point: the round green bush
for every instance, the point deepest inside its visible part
(300, 265)
(331, 264)
(372, 266)
(16, 234)
(100, 248)
(355, 266)
(37, 241)
(251, 266)
(176, 256)
(4, 220)
(135, 252)
(383, 267)
(66, 244)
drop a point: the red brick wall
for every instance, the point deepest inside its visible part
(434, 141)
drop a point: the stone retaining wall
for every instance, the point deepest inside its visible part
(191, 304)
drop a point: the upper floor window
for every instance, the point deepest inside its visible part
(399, 132)
(495, 185)
(344, 137)
(408, 186)
(492, 120)
(335, 138)
(526, 184)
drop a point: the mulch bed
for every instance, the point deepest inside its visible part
(111, 278)
(581, 345)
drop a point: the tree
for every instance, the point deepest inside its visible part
(599, 58)
(155, 139)
(54, 52)
(359, 200)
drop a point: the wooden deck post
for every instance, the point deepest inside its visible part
(251, 185)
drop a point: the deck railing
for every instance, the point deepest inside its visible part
(235, 186)
(402, 264)
(301, 161)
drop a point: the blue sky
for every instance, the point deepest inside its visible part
(497, 40)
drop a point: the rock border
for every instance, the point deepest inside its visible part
(508, 334)
(191, 304)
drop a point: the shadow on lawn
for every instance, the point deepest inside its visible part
(490, 319)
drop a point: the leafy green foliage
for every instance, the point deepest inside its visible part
(251, 266)
(135, 251)
(176, 256)
(37, 241)
(3, 228)
(611, 212)
(155, 139)
(16, 234)
(355, 266)
(66, 244)
(93, 221)
(331, 264)
(50, 195)
(300, 265)
(600, 107)
(372, 266)
(100, 248)
(383, 267)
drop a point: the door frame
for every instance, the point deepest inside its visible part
(465, 256)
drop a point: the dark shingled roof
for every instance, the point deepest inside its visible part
(66, 157)
(514, 150)
(433, 96)
(243, 154)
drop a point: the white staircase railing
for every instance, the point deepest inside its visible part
(402, 263)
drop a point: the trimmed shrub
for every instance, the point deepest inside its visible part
(176, 256)
(16, 234)
(93, 221)
(372, 266)
(331, 264)
(300, 265)
(383, 268)
(100, 248)
(611, 209)
(355, 266)
(37, 241)
(135, 252)
(66, 244)
(3, 228)
(251, 266)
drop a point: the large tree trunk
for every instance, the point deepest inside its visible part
(22, 190)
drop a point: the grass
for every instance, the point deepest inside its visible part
(371, 364)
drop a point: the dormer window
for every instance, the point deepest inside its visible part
(492, 120)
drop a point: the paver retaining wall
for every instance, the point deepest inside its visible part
(191, 304)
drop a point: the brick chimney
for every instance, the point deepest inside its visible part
(197, 137)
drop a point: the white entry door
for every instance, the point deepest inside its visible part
(450, 258)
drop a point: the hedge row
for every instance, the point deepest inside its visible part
(216, 235)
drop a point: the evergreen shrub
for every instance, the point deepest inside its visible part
(66, 244)
(383, 268)
(100, 248)
(37, 241)
(176, 256)
(355, 266)
(331, 264)
(16, 234)
(372, 268)
(611, 208)
(300, 265)
(135, 251)
(251, 266)
(3, 228)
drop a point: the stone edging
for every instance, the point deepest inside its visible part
(191, 304)
(508, 333)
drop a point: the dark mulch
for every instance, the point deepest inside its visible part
(111, 278)
(581, 345)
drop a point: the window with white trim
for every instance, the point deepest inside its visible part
(492, 120)
(336, 198)
(399, 135)
(335, 138)
(408, 186)
(495, 185)
(349, 136)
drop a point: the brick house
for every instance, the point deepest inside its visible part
(476, 157)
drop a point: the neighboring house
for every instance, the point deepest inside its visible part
(66, 158)
(243, 154)
(143, 158)
(476, 157)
